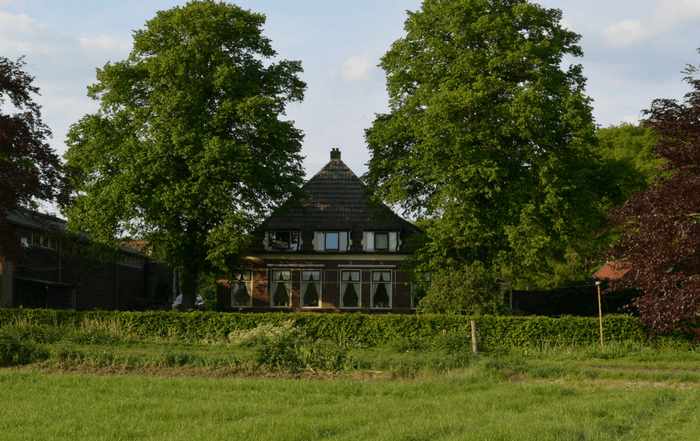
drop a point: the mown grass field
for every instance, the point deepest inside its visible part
(274, 384)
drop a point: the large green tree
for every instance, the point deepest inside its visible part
(188, 149)
(629, 151)
(625, 155)
(489, 134)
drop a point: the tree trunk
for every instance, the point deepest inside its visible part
(189, 288)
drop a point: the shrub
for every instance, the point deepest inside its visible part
(264, 333)
(464, 290)
(288, 347)
(33, 334)
(17, 352)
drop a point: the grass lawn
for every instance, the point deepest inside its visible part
(459, 405)
(277, 385)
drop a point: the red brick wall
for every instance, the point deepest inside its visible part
(330, 296)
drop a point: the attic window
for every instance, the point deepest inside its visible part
(26, 238)
(381, 241)
(331, 241)
(131, 261)
(45, 241)
(283, 240)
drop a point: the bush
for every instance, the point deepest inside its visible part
(33, 334)
(464, 290)
(288, 347)
(358, 328)
(455, 342)
(14, 351)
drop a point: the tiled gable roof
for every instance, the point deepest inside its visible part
(336, 202)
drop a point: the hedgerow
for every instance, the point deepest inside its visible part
(367, 329)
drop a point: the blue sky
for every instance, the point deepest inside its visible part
(634, 52)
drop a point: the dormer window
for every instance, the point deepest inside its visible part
(26, 238)
(331, 241)
(381, 241)
(46, 241)
(283, 240)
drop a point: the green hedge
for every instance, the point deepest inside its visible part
(361, 328)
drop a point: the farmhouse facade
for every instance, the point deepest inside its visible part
(61, 272)
(336, 254)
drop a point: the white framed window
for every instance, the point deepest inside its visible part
(350, 288)
(419, 289)
(381, 289)
(46, 241)
(381, 241)
(281, 288)
(242, 288)
(283, 240)
(131, 261)
(311, 288)
(331, 241)
(26, 238)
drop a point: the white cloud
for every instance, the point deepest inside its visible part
(665, 17)
(22, 34)
(355, 69)
(62, 63)
(625, 32)
(104, 43)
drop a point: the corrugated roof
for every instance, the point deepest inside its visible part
(33, 219)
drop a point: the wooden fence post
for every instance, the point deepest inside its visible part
(475, 347)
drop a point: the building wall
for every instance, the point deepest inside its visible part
(331, 267)
(6, 285)
(60, 279)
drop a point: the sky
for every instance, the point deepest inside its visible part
(634, 51)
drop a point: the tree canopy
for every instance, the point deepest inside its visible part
(625, 156)
(660, 228)
(488, 134)
(188, 149)
(629, 149)
(29, 169)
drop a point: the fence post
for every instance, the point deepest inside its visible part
(475, 347)
(600, 314)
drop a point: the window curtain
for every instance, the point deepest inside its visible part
(381, 289)
(281, 288)
(311, 288)
(351, 289)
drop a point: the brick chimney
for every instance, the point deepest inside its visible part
(335, 155)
